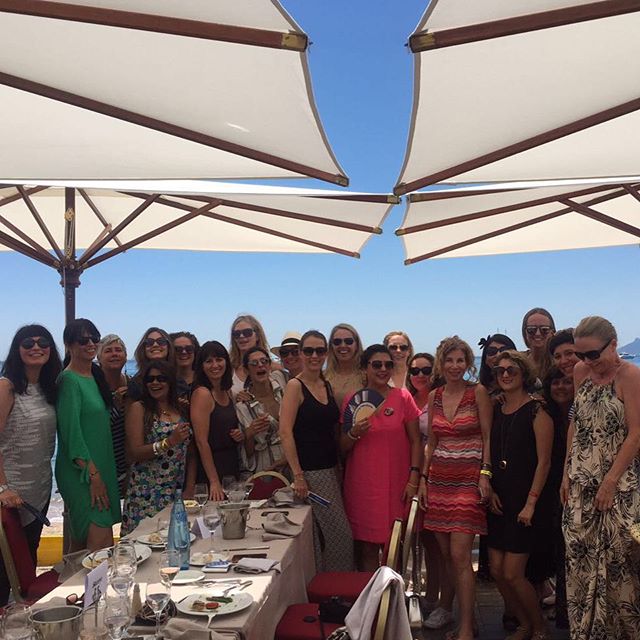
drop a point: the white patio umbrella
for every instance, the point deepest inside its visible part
(105, 218)
(133, 89)
(529, 90)
(520, 218)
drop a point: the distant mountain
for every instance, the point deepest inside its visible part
(632, 347)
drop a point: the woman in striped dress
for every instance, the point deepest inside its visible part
(452, 490)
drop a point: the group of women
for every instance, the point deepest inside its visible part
(492, 457)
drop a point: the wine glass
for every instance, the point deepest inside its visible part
(16, 624)
(121, 584)
(228, 483)
(125, 561)
(211, 520)
(169, 566)
(157, 596)
(201, 494)
(117, 616)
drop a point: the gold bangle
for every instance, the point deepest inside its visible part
(415, 486)
(486, 472)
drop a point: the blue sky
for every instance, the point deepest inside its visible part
(362, 78)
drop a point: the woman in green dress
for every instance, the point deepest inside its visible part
(85, 464)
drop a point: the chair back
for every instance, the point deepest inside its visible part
(409, 535)
(380, 624)
(18, 562)
(265, 483)
(393, 548)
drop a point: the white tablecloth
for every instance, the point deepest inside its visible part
(272, 592)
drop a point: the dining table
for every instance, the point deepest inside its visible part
(272, 591)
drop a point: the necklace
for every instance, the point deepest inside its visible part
(504, 436)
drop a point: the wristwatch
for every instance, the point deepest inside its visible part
(4, 487)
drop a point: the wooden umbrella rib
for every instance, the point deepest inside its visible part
(92, 205)
(427, 40)
(26, 250)
(487, 213)
(151, 234)
(17, 196)
(522, 145)
(632, 191)
(292, 41)
(30, 241)
(487, 236)
(588, 212)
(43, 227)
(91, 251)
(112, 111)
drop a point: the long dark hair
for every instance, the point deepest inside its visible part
(426, 356)
(552, 407)
(13, 367)
(150, 404)
(72, 333)
(215, 349)
(189, 336)
(487, 377)
(140, 355)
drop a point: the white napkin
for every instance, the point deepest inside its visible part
(256, 565)
(284, 497)
(70, 564)
(181, 629)
(278, 526)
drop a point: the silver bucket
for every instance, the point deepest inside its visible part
(234, 519)
(57, 623)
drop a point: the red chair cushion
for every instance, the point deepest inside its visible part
(19, 548)
(346, 584)
(264, 486)
(43, 584)
(292, 625)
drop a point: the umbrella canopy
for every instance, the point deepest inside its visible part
(50, 221)
(496, 219)
(533, 90)
(132, 89)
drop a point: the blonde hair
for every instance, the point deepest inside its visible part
(446, 346)
(524, 364)
(261, 338)
(595, 326)
(332, 361)
(385, 341)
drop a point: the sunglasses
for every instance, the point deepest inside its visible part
(544, 330)
(425, 371)
(398, 347)
(594, 354)
(259, 361)
(83, 341)
(242, 333)
(379, 364)
(336, 342)
(285, 353)
(161, 342)
(187, 349)
(492, 351)
(159, 378)
(500, 371)
(29, 343)
(309, 351)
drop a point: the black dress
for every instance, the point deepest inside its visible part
(513, 441)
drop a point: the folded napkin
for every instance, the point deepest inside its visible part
(181, 629)
(278, 526)
(71, 564)
(284, 497)
(256, 565)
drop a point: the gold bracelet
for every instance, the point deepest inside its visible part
(486, 472)
(410, 484)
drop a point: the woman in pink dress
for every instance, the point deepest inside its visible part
(383, 455)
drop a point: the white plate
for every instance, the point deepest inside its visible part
(144, 539)
(200, 559)
(188, 575)
(92, 560)
(240, 601)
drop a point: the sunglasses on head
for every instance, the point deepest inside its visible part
(336, 342)
(492, 351)
(544, 330)
(161, 342)
(242, 333)
(510, 370)
(159, 378)
(398, 347)
(29, 343)
(379, 364)
(425, 371)
(83, 341)
(259, 361)
(186, 349)
(285, 353)
(594, 354)
(309, 351)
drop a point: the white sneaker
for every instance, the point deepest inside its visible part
(438, 618)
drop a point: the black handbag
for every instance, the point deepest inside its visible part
(334, 610)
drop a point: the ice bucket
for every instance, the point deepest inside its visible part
(57, 623)
(234, 519)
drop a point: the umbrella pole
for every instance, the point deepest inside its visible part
(69, 269)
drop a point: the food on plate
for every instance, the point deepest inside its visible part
(198, 605)
(219, 599)
(156, 538)
(212, 605)
(190, 504)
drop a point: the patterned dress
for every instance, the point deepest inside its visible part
(153, 483)
(452, 487)
(603, 586)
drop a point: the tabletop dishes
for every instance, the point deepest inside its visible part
(96, 558)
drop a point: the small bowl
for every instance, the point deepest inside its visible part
(191, 506)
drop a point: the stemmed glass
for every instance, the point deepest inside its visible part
(157, 596)
(211, 520)
(201, 494)
(16, 624)
(121, 584)
(169, 566)
(117, 616)
(125, 561)
(228, 483)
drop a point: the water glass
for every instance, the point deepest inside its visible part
(125, 560)
(201, 494)
(16, 624)
(117, 616)
(92, 626)
(121, 585)
(157, 596)
(169, 566)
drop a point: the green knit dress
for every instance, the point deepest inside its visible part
(84, 433)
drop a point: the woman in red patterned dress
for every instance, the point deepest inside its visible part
(452, 490)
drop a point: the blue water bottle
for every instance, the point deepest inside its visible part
(179, 538)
